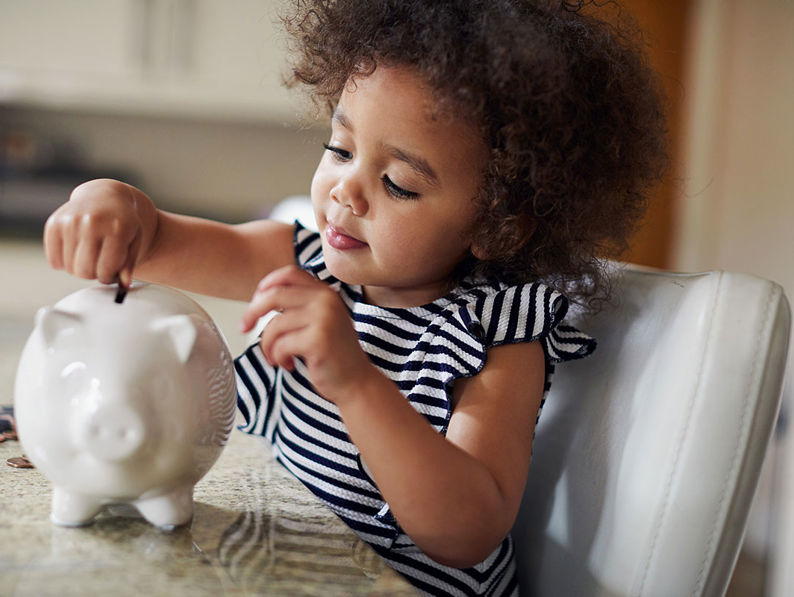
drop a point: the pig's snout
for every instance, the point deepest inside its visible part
(114, 433)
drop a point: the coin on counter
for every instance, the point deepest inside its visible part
(20, 462)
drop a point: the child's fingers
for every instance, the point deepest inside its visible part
(278, 328)
(69, 241)
(86, 256)
(125, 277)
(125, 274)
(258, 307)
(281, 355)
(278, 298)
(262, 302)
(53, 245)
(290, 345)
(289, 275)
(79, 245)
(112, 259)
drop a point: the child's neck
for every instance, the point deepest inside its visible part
(404, 298)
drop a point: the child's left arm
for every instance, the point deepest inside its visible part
(455, 496)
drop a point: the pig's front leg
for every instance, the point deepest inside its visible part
(70, 509)
(169, 510)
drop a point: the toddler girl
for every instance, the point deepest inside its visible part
(481, 156)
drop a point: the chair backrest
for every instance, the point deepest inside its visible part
(648, 452)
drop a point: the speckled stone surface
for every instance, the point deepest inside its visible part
(255, 531)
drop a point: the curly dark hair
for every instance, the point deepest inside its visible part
(571, 112)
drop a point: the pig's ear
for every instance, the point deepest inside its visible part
(181, 330)
(54, 323)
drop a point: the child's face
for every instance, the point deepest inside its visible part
(394, 192)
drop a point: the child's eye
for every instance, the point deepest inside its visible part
(397, 191)
(339, 154)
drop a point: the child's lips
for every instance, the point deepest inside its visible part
(339, 239)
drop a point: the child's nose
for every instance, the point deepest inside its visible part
(348, 193)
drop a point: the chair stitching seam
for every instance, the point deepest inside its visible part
(740, 445)
(682, 437)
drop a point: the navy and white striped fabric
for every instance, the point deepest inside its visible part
(423, 350)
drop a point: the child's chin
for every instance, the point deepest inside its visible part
(341, 265)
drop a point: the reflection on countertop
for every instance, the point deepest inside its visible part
(255, 531)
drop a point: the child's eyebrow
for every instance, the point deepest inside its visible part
(341, 119)
(416, 163)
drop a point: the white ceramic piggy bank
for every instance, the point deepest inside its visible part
(124, 403)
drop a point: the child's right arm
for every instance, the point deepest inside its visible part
(109, 229)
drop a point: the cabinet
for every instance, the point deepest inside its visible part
(199, 58)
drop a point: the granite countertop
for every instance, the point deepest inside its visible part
(256, 530)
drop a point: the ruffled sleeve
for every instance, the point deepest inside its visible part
(524, 314)
(456, 339)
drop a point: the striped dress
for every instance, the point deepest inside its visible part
(423, 350)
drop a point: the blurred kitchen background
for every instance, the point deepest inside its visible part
(183, 99)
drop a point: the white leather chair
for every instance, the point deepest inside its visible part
(648, 452)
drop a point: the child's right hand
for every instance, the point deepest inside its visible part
(102, 232)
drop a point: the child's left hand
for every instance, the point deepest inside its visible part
(313, 325)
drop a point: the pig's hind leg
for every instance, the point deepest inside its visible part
(70, 509)
(170, 510)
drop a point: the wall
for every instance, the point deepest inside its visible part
(736, 207)
(664, 27)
